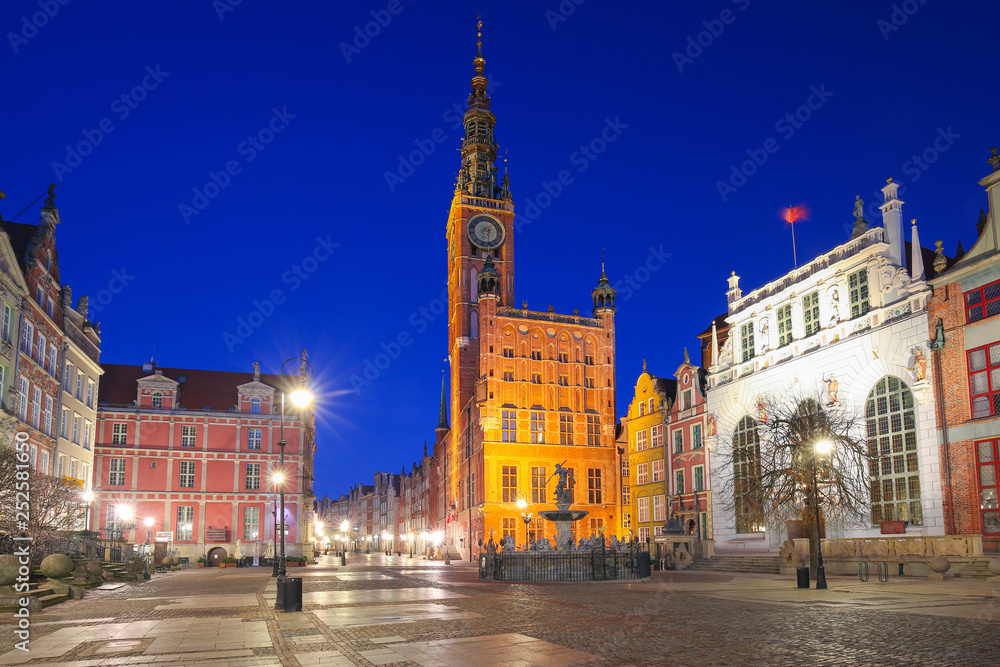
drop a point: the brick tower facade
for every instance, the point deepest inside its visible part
(528, 389)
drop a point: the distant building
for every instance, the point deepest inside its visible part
(964, 365)
(196, 451)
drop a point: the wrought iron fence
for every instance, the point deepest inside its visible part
(594, 565)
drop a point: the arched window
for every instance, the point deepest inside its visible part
(473, 285)
(255, 406)
(892, 451)
(746, 477)
(474, 324)
(157, 399)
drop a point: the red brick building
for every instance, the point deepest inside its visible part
(196, 451)
(965, 318)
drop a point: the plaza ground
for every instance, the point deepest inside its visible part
(381, 610)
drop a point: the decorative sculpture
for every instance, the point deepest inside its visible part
(832, 388)
(562, 493)
(920, 364)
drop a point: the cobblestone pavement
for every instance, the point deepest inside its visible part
(396, 610)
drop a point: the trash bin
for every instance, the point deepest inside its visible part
(802, 574)
(289, 594)
(643, 564)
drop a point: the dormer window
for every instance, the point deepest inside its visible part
(255, 406)
(157, 400)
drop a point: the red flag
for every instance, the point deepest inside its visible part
(793, 214)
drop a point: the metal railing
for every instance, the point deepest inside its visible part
(595, 565)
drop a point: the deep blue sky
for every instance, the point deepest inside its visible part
(323, 175)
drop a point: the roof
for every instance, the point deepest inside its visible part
(203, 390)
(667, 387)
(21, 235)
(720, 323)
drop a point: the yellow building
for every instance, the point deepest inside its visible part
(644, 468)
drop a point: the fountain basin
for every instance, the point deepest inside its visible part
(564, 515)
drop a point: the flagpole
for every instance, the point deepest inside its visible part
(795, 258)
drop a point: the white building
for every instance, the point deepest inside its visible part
(849, 328)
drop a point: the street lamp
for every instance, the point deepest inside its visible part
(821, 448)
(301, 398)
(145, 562)
(527, 519)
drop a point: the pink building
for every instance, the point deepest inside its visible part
(196, 451)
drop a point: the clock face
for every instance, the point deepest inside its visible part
(485, 231)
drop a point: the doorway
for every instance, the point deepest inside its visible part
(215, 556)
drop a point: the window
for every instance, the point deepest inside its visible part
(537, 427)
(116, 471)
(508, 482)
(678, 441)
(36, 408)
(536, 355)
(626, 495)
(5, 327)
(68, 379)
(892, 453)
(984, 380)
(642, 473)
(157, 400)
(686, 399)
(699, 478)
(643, 509)
(679, 482)
(253, 477)
(563, 358)
(64, 424)
(508, 425)
(90, 393)
(746, 341)
(564, 380)
(184, 530)
(696, 436)
(40, 296)
(43, 467)
(810, 313)
(597, 526)
(657, 435)
(536, 378)
(40, 350)
(48, 414)
(746, 477)
(625, 468)
(658, 473)
(538, 479)
(536, 529)
(641, 442)
(627, 520)
(61, 465)
(509, 527)
(857, 286)
(113, 528)
(566, 429)
(593, 430)
(76, 428)
(652, 405)
(986, 463)
(185, 478)
(784, 325)
(660, 507)
(254, 437)
(254, 410)
(594, 495)
(87, 430)
(642, 408)
(119, 432)
(27, 337)
(53, 361)
(73, 464)
(508, 376)
(79, 385)
(588, 382)
(85, 473)
(251, 523)
(22, 400)
(588, 359)
(508, 352)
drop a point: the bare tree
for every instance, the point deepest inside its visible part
(773, 462)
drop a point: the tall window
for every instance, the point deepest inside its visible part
(660, 507)
(254, 438)
(5, 326)
(593, 430)
(892, 452)
(68, 379)
(119, 432)
(746, 473)
(48, 412)
(53, 361)
(253, 477)
(36, 408)
(536, 529)
(989, 473)
(597, 526)
(696, 442)
(27, 337)
(625, 468)
(251, 523)
(43, 466)
(537, 427)
(188, 435)
(642, 473)
(508, 425)
(40, 350)
(984, 380)
(508, 483)
(679, 482)
(594, 495)
(643, 509)
(64, 424)
(79, 385)
(90, 393)
(810, 313)
(652, 405)
(784, 325)
(626, 520)
(87, 430)
(642, 408)
(982, 302)
(509, 527)
(658, 473)
(113, 526)
(157, 400)
(626, 495)
(254, 409)
(185, 523)
(116, 471)
(746, 341)
(22, 399)
(538, 479)
(566, 429)
(73, 464)
(686, 399)
(678, 441)
(699, 478)
(641, 443)
(657, 435)
(185, 479)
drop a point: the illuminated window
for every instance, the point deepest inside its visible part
(251, 523)
(746, 341)
(188, 435)
(508, 425)
(594, 486)
(657, 435)
(538, 479)
(643, 509)
(254, 410)
(252, 476)
(696, 436)
(857, 285)
(984, 380)
(641, 442)
(989, 472)
(185, 478)
(593, 430)
(508, 483)
(746, 474)
(642, 473)
(810, 313)
(784, 325)
(509, 527)
(537, 427)
(254, 438)
(892, 453)
(982, 302)
(116, 471)
(626, 495)
(157, 400)
(678, 441)
(185, 523)
(658, 473)
(566, 429)
(660, 507)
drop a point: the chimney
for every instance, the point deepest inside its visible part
(892, 222)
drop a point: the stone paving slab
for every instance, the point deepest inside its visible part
(390, 614)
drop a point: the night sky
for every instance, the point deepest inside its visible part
(133, 107)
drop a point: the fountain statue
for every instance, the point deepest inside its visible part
(563, 517)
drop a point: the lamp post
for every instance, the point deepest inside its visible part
(527, 519)
(522, 505)
(145, 562)
(821, 448)
(301, 398)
